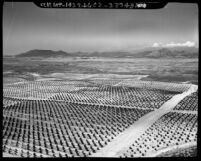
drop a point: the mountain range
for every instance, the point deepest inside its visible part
(176, 52)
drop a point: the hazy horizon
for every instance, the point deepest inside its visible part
(27, 27)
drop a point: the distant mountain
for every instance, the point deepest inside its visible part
(44, 53)
(152, 53)
(174, 52)
(110, 54)
(177, 52)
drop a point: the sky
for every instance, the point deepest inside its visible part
(27, 27)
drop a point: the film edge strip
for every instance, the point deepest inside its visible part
(98, 4)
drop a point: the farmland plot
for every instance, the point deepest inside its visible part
(76, 118)
(41, 89)
(117, 96)
(189, 103)
(176, 87)
(190, 151)
(45, 128)
(7, 101)
(170, 130)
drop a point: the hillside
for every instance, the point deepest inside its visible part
(168, 53)
(44, 53)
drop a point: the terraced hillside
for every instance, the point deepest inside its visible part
(78, 118)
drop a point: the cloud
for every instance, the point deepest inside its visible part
(156, 44)
(172, 44)
(187, 44)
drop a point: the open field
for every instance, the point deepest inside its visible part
(75, 108)
(165, 70)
